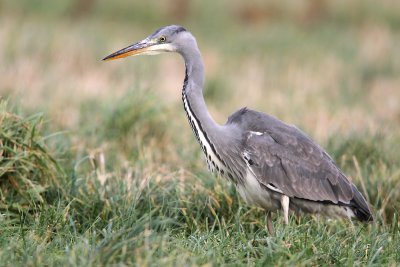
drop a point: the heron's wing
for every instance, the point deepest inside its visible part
(283, 158)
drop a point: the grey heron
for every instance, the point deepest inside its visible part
(272, 164)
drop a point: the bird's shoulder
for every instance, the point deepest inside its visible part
(249, 119)
(281, 155)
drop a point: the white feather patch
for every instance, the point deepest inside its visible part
(255, 133)
(252, 192)
(269, 186)
(158, 48)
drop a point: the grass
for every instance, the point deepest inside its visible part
(27, 170)
(107, 172)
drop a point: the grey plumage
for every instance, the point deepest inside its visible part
(286, 159)
(273, 165)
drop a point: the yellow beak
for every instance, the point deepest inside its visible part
(135, 49)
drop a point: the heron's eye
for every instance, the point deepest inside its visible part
(162, 39)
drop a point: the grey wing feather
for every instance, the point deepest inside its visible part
(285, 158)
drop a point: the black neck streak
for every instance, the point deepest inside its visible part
(196, 127)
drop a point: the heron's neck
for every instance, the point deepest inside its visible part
(206, 130)
(192, 93)
(209, 134)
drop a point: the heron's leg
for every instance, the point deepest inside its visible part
(269, 223)
(285, 208)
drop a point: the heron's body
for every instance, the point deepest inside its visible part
(273, 165)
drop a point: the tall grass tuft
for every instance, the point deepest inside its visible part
(27, 170)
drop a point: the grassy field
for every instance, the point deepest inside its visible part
(98, 165)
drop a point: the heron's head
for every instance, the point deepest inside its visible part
(165, 39)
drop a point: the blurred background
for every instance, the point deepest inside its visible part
(330, 67)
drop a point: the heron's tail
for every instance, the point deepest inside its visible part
(360, 207)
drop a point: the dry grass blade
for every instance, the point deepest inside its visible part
(360, 178)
